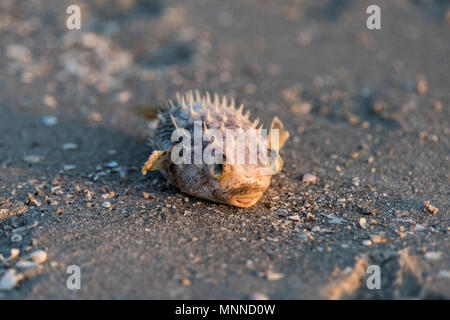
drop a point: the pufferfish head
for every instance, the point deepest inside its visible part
(231, 178)
(240, 185)
(238, 180)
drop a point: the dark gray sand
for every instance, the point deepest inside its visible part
(368, 113)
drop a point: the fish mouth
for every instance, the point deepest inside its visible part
(245, 200)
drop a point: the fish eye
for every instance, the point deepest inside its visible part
(216, 169)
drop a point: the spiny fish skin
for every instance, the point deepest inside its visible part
(240, 185)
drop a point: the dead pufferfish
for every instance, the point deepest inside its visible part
(224, 181)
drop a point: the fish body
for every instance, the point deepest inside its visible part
(193, 151)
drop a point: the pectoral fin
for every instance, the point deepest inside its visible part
(155, 161)
(283, 134)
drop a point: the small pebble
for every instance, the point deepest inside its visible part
(33, 202)
(430, 208)
(378, 238)
(16, 238)
(124, 96)
(32, 159)
(367, 242)
(111, 164)
(354, 155)
(419, 227)
(258, 296)
(301, 108)
(365, 124)
(50, 101)
(69, 167)
(294, 218)
(444, 273)
(49, 121)
(106, 204)
(25, 265)
(19, 53)
(146, 195)
(353, 120)
(437, 104)
(186, 282)
(309, 178)
(95, 117)
(432, 255)
(88, 195)
(14, 254)
(422, 86)
(273, 276)
(363, 223)
(9, 280)
(69, 146)
(39, 256)
(108, 195)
